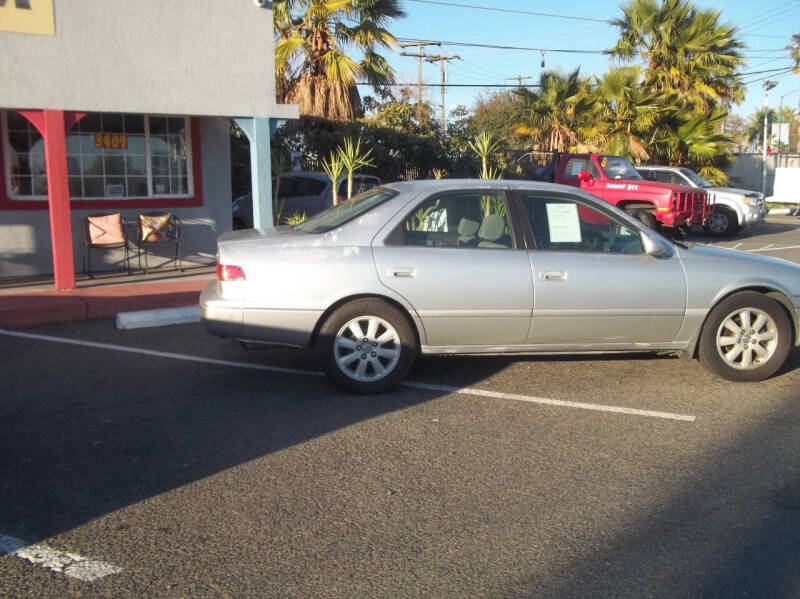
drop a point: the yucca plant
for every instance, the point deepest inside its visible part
(439, 173)
(351, 156)
(333, 167)
(484, 146)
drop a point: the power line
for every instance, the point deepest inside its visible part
(512, 11)
(765, 71)
(526, 48)
(449, 85)
(774, 76)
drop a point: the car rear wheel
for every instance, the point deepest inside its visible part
(366, 346)
(722, 222)
(745, 338)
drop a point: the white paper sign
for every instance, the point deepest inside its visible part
(562, 219)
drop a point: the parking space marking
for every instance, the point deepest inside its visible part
(69, 564)
(551, 402)
(774, 249)
(158, 354)
(410, 384)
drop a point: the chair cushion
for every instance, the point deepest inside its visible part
(105, 229)
(155, 227)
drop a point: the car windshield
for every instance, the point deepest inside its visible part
(343, 212)
(616, 167)
(695, 178)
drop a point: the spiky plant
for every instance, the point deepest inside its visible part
(333, 167)
(353, 158)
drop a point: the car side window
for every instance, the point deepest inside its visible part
(469, 219)
(576, 165)
(561, 223)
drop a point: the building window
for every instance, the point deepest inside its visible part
(109, 156)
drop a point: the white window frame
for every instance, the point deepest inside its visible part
(148, 161)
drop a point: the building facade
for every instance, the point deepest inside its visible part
(115, 106)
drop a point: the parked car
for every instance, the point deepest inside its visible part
(488, 267)
(302, 193)
(675, 207)
(732, 208)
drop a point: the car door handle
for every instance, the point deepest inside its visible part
(403, 272)
(553, 275)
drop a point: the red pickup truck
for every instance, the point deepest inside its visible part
(616, 181)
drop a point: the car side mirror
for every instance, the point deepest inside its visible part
(584, 176)
(657, 248)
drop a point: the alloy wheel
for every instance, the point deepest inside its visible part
(747, 338)
(367, 348)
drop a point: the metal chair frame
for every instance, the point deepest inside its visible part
(89, 246)
(173, 233)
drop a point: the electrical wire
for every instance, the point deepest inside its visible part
(500, 47)
(509, 10)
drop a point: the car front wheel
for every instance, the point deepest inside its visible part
(745, 338)
(366, 346)
(722, 222)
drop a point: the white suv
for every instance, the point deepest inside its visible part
(733, 208)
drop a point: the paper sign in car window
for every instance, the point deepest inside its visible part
(562, 220)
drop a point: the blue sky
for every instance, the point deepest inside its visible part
(765, 27)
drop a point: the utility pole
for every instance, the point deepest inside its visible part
(767, 85)
(519, 78)
(441, 59)
(419, 55)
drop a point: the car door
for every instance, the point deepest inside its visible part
(454, 258)
(593, 282)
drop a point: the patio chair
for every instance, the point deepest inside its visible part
(159, 229)
(103, 232)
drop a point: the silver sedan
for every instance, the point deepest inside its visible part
(491, 267)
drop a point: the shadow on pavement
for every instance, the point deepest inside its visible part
(86, 431)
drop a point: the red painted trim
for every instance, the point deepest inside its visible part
(104, 203)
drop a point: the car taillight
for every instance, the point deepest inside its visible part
(227, 272)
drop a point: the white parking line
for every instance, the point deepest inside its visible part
(411, 384)
(769, 248)
(69, 564)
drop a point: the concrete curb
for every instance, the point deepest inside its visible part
(157, 318)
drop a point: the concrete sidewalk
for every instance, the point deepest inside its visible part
(29, 302)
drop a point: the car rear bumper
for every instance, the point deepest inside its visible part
(233, 319)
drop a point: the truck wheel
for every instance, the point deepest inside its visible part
(722, 222)
(366, 346)
(745, 338)
(646, 217)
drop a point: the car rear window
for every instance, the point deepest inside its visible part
(344, 212)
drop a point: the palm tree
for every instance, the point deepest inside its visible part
(686, 51)
(311, 63)
(556, 111)
(625, 113)
(693, 140)
(795, 50)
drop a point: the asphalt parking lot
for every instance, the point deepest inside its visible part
(168, 463)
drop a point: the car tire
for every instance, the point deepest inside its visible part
(723, 222)
(735, 328)
(647, 218)
(375, 360)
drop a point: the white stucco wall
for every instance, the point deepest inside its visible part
(197, 57)
(25, 247)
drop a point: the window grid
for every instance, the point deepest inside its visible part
(91, 170)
